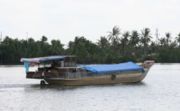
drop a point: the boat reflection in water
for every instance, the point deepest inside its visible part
(62, 70)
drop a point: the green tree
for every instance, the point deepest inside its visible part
(114, 37)
(134, 39)
(145, 40)
(178, 39)
(125, 43)
(56, 47)
(84, 49)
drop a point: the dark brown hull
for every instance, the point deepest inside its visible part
(100, 80)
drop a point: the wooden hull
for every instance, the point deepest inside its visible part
(100, 80)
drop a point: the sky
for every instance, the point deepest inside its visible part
(65, 19)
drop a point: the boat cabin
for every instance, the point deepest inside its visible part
(51, 67)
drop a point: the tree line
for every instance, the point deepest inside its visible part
(115, 47)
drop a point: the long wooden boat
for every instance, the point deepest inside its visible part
(63, 70)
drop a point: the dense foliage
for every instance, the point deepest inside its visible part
(114, 48)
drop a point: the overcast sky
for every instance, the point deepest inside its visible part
(65, 19)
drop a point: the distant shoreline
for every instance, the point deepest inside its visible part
(115, 47)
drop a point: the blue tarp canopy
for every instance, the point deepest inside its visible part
(107, 68)
(43, 59)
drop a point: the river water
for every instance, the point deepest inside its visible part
(159, 91)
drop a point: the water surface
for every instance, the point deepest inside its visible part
(159, 91)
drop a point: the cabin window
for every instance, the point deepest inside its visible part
(62, 63)
(69, 64)
(73, 70)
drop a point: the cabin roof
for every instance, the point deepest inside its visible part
(46, 59)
